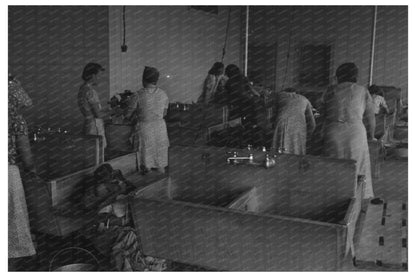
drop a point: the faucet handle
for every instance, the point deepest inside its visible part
(269, 162)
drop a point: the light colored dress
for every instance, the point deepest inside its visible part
(379, 102)
(87, 97)
(151, 134)
(294, 111)
(345, 136)
(20, 240)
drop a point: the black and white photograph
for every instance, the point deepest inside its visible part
(209, 137)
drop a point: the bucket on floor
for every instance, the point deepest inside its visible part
(75, 266)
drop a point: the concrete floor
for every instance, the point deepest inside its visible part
(391, 185)
(393, 181)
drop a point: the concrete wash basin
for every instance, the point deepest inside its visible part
(250, 218)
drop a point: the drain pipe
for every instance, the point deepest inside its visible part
(246, 44)
(373, 43)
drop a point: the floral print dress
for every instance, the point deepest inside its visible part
(17, 124)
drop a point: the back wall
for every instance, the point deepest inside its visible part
(48, 49)
(182, 43)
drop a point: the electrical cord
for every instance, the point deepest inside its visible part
(288, 48)
(226, 34)
(124, 25)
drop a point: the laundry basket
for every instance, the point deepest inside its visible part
(75, 266)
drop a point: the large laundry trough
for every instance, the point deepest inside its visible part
(297, 215)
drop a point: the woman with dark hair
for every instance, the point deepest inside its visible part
(345, 106)
(151, 136)
(238, 94)
(380, 104)
(89, 102)
(213, 84)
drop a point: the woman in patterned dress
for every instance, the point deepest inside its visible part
(150, 135)
(19, 237)
(89, 102)
(294, 122)
(19, 146)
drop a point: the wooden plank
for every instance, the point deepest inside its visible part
(393, 235)
(383, 245)
(367, 251)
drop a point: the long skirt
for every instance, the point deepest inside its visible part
(152, 143)
(349, 141)
(20, 240)
(290, 136)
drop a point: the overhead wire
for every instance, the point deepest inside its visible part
(292, 15)
(226, 35)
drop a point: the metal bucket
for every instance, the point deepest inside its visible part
(75, 266)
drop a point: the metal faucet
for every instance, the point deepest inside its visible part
(269, 161)
(232, 160)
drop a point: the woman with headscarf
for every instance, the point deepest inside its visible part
(345, 105)
(151, 136)
(213, 84)
(89, 102)
(294, 122)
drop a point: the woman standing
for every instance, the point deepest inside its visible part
(151, 104)
(214, 84)
(19, 146)
(89, 102)
(239, 94)
(294, 123)
(19, 236)
(345, 105)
